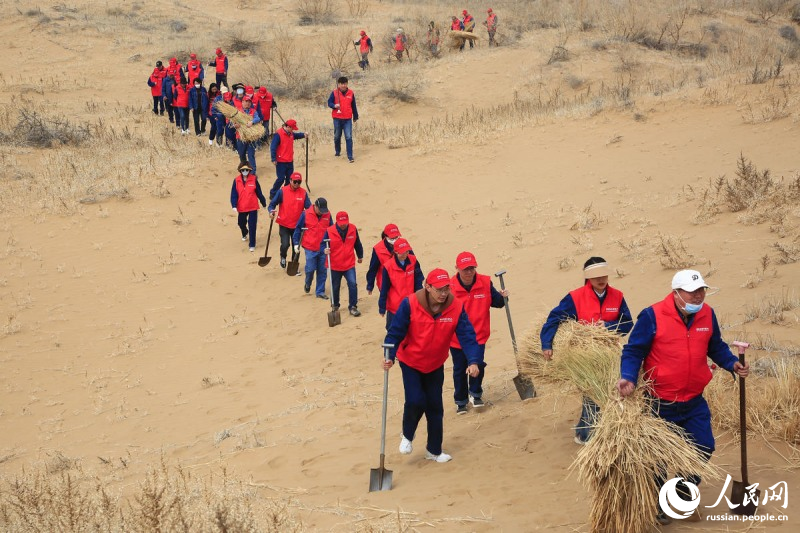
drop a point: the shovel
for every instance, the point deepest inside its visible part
(380, 478)
(360, 61)
(524, 384)
(307, 187)
(739, 489)
(264, 261)
(334, 316)
(293, 265)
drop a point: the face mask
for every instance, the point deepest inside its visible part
(240, 92)
(391, 241)
(690, 308)
(245, 173)
(196, 85)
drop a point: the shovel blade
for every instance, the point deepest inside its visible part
(264, 261)
(334, 318)
(380, 479)
(738, 492)
(524, 387)
(291, 268)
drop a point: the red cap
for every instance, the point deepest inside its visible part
(391, 231)
(466, 259)
(464, 12)
(248, 89)
(219, 50)
(363, 32)
(342, 218)
(262, 90)
(292, 123)
(296, 176)
(401, 246)
(489, 10)
(193, 56)
(173, 60)
(438, 278)
(227, 97)
(247, 99)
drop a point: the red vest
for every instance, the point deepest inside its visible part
(193, 73)
(425, 345)
(237, 103)
(469, 23)
(251, 112)
(345, 102)
(175, 72)
(157, 77)
(677, 362)
(587, 304)
(291, 207)
(248, 200)
(312, 238)
(384, 255)
(401, 281)
(220, 64)
(343, 254)
(491, 22)
(477, 303)
(285, 151)
(264, 105)
(455, 25)
(181, 98)
(363, 46)
(399, 45)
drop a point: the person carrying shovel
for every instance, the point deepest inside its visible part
(345, 247)
(478, 295)
(401, 275)
(424, 324)
(281, 151)
(290, 201)
(672, 339)
(364, 44)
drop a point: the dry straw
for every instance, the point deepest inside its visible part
(243, 123)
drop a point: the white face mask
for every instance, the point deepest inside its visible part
(196, 85)
(240, 92)
(391, 241)
(245, 173)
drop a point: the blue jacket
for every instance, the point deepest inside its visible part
(301, 222)
(276, 140)
(332, 103)
(166, 88)
(199, 96)
(386, 283)
(214, 112)
(638, 346)
(566, 310)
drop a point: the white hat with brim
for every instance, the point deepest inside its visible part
(688, 280)
(596, 270)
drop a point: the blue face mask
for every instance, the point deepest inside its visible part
(690, 308)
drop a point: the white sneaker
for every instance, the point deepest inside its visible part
(578, 440)
(210, 142)
(405, 446)
(252, 249)
(441, 458)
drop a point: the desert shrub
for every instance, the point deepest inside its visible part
(290, 68)
(673, 254)
(402, 83)
(794, 15)
(749, 187)
(316, 12)
(37, 130)
(178, 26)
(766, 10)
(357, 8)
(239, 40)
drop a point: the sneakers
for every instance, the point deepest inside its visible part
(441, 458)
(663, 519)
(244, 237)
(352, 160)
(580, 441)
(477, 403)
(354, 311)
(461, 409)
(405, 446)
(210, 142)
(252, 249)
(283, 262)
(323, 296)
(307, 288)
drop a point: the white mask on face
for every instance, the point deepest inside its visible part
(245, 173)
(240, 92)
(391, 241)
(196, 85)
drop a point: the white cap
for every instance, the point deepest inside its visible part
(596, 270)
(688, 280)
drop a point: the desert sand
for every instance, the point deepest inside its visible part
(139, 329)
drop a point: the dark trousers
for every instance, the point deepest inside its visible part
(352, 287)
(590, 413)
(170, 110)
(283, 171)
(158, 101)
(694, 417)
(247, 152)
(182, 118)
(247, 223)
(286, 239)
(464, 385)
(230, 136)
(199, 121)
(222, 79)
(424, 397)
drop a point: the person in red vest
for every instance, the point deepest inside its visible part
(469, 26)
(315, 221)
(264, 103)
(672, 340)
(175, 70)
(180, 103)
(155, 82)
(401, 275)
(194, 69)
(434, 38)
(400, 41)
(345, 248)
(381, 252)
(455, 24)
(364, 44)
(491, 25)
(245, 197)
(290, 201)
(598, 303)
(478, 295)
(342, 101)
(220, 64)
(247, 149)
(281, 151)
(424, 324)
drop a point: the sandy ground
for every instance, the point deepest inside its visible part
(144, 329)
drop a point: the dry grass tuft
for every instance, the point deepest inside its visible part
(772, 308)
(673, 254)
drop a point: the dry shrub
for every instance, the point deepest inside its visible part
(358, 8)
(588, 219)
(290, 68)
(36, 129)
(402, 83)
(316, 12)
(771, 308)
(240, 40)
(673, 254)
(244, 123)
(788, 252)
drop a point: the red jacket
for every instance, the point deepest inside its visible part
(285, 151)
(193, 73)
(399, 42)
(677, 362)
(181, 96)
(587, 304)
(175, 72)
(363, 45)
(263, 103)
(345, 102)
(477, 303)
(219, 62)
(291, 206)
(157, 77)
(316, 227)
(384, 255)
(401, 282)
(248, 200)
(425, 345)
(343, 253)
(491, 22)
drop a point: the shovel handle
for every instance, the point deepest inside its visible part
(742, 346)
(386, 348)
(508, 316)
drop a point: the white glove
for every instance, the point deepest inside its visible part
(297, 248)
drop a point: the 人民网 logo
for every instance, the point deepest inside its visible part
(673, 505)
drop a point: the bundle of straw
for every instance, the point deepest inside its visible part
(619, 464)
(243, 122)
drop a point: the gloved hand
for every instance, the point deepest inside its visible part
(297, 248)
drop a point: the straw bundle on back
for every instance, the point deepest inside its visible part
(241, 121)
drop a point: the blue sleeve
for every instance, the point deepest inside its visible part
(386, 283)
(465, 333)
(256, 117)
(331, 101)
(307, 203)
(419, 277)
(226, 63)
(260, 195)
(399, 327)
(273, 146)
(299, 135)
(300, 223)
(374, 266)
(355, 108)
(624, 324)
(718, 350)
(277, 199)
(498, 300)
(638, 345)
(359, 247)
(234, 194)
(150, 82)
(202, 75)
(565, 310)
(212, 63)
(204, 105)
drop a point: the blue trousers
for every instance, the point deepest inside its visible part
(230, 136)
(590, 412)
(315, 262)
(464, 385)
(182, 119)
(352, 288)
(222, 79)
(217, 128)
(343, 125)
(283, 171)
(694, 417)
(247, 223)
(249, 150)
(424, 397)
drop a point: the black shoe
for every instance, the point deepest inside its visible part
(477, 403)
(352, 160)
(461, 409)
(283, 262)
(323, 296)
(335, 307)
(307, 288)
(354, 311)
